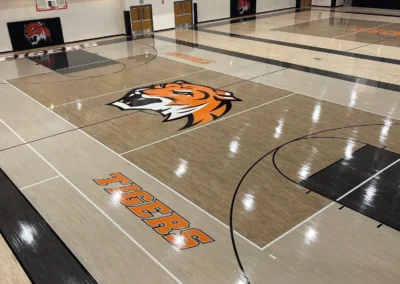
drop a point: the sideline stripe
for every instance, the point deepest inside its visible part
(41, 253)
(91, 202)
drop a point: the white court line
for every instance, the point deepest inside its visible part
(363, 30)
(329, 205)
(135, 166)
(129, 88)
(43, 181)
(97, 207)
(210, 123)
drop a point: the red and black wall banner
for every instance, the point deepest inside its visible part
(35, 33)
(243, 8)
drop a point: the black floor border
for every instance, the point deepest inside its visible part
(354, 12)
(312, 70)
(40, 251)
(307, 47)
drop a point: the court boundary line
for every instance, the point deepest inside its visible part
(210, 123)
(132, 164)
(97, 207)
(135, 166)
(329, 205)
(258, 247)
(36, 183)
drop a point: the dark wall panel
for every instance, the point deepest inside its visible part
(384, 4)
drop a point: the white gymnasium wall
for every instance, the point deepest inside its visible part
(84, 19)
(87, 19)
(327, 3)
(213, 9)
(269, 5)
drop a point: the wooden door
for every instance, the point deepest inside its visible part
(136, 17)
(305, 3)
(187, 13)
(178, 10)
(147, 18)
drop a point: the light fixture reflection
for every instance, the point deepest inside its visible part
(116, 198)
(304, 171)
(234, 146)
(78, 105)
(348, 153)
(27, 234)
(310, 236)
(278, 129)
(241, 280)
(182, 168)
(353, 98)
(179, 241)
(248, 202)
(316, 113)
(370, 193)
(385, 130)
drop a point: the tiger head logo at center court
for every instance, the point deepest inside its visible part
(180, 99)
(243, 6)
(36, 32)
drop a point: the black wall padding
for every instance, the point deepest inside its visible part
(384, 4)
(195, 11)
(127, 19)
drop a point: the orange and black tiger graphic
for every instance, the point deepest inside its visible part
(36, 32)
(200, 104)
(243, 6)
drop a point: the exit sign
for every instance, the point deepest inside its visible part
(141, 1)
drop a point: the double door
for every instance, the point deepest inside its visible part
(183, 14)
(142, 19)
(305, 3)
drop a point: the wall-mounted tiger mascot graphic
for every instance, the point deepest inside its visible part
(180, 99)
(243, 6)
(36, 32)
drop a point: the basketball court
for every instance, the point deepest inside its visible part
(263, 149)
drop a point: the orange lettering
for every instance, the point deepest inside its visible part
(146, 210)
(188, 239)
(131, 187)
(136, 197)
(116, 177)
(164, 225)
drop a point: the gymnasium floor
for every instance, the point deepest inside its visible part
(260, 150)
